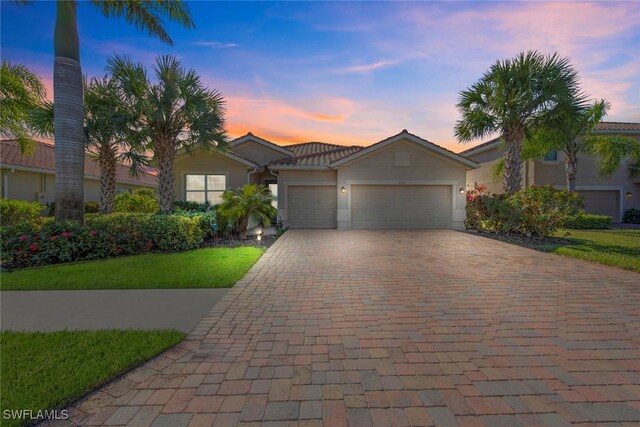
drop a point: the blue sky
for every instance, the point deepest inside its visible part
(349, 72)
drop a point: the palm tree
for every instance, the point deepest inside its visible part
(110, 136)
(238, 204)
(176, 112)
(514, 97)
(573, 136)
(67, 85)
(22, 94)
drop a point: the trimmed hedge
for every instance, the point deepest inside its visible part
(141, 200)
(103, 236)
(587, 221)
(20, 213)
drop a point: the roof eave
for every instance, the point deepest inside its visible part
(300, 167)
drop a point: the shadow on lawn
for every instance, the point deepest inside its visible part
(585, 246)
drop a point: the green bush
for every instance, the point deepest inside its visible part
(91, 207)
(20, 213)
(631, 216)
(141, 200)
(544, 209)
(180, 206)
(500, 216)
(103, 236)
(587, 221)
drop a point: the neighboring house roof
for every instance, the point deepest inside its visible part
(602, 127)
(43, 159)
(617, 127)
(316, 159)
(251, 137)
(414, 138)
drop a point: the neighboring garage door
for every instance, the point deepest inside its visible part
(400, 206)
(605, 202)
(312, 206)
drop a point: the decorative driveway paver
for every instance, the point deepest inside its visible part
(392, 328)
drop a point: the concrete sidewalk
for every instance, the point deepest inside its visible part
(180, 309)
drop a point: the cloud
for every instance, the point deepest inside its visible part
(214, 44)
(367, 68)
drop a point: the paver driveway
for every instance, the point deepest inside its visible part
(384, 328)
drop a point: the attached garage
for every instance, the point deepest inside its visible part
(602, 202)
(312, 206)
(401, 206)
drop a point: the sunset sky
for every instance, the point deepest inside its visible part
(354, 73)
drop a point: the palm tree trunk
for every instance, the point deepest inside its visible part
(513, 160)
(571, 167)
(165, 154)
(108, 169)
(68, 116)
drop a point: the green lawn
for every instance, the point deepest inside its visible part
(202, 268)
(46, 370)
(619, 248)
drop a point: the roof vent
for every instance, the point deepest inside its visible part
(404, 131)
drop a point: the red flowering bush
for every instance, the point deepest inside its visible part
(103, 236)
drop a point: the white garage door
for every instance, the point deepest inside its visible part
(312, 206)
(400, 206)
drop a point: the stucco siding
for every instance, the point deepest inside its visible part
(208, 163)
(257, 153)
(380, 168)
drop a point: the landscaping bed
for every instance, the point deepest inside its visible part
(46, 370)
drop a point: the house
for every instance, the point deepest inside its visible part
(403, 181)
(32, 177)
(603, 195)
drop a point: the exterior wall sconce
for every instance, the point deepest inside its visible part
(629, 194)
(343, 190)
(461, 190)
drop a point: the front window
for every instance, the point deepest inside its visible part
(273, 188)
(206, 188)
(551, 156)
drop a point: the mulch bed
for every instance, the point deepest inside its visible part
(532, 242)
(266, 242)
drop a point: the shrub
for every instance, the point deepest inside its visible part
(631, 216)
(544, 209)
(498, 215)
(180, 206)
(238, 204)
(103, 236)
(20, 213)
(207, 221)
(141, 200)
(91, 207)
(588, 221)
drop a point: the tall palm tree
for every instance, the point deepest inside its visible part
(514, 97)
(239, 204)
(22, 94)
(176, 111)
(573, 136)
(67, 85)
(110, 135)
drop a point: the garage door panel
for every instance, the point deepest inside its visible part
(312, 206)
(602, 202)
(398, 207)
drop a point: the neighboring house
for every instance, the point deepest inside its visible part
(32, 177)
(603, 195)
(403, 181)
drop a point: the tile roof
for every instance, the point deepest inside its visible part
(626, 127)
(44, 159)
(618, 126)
(316, 154)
